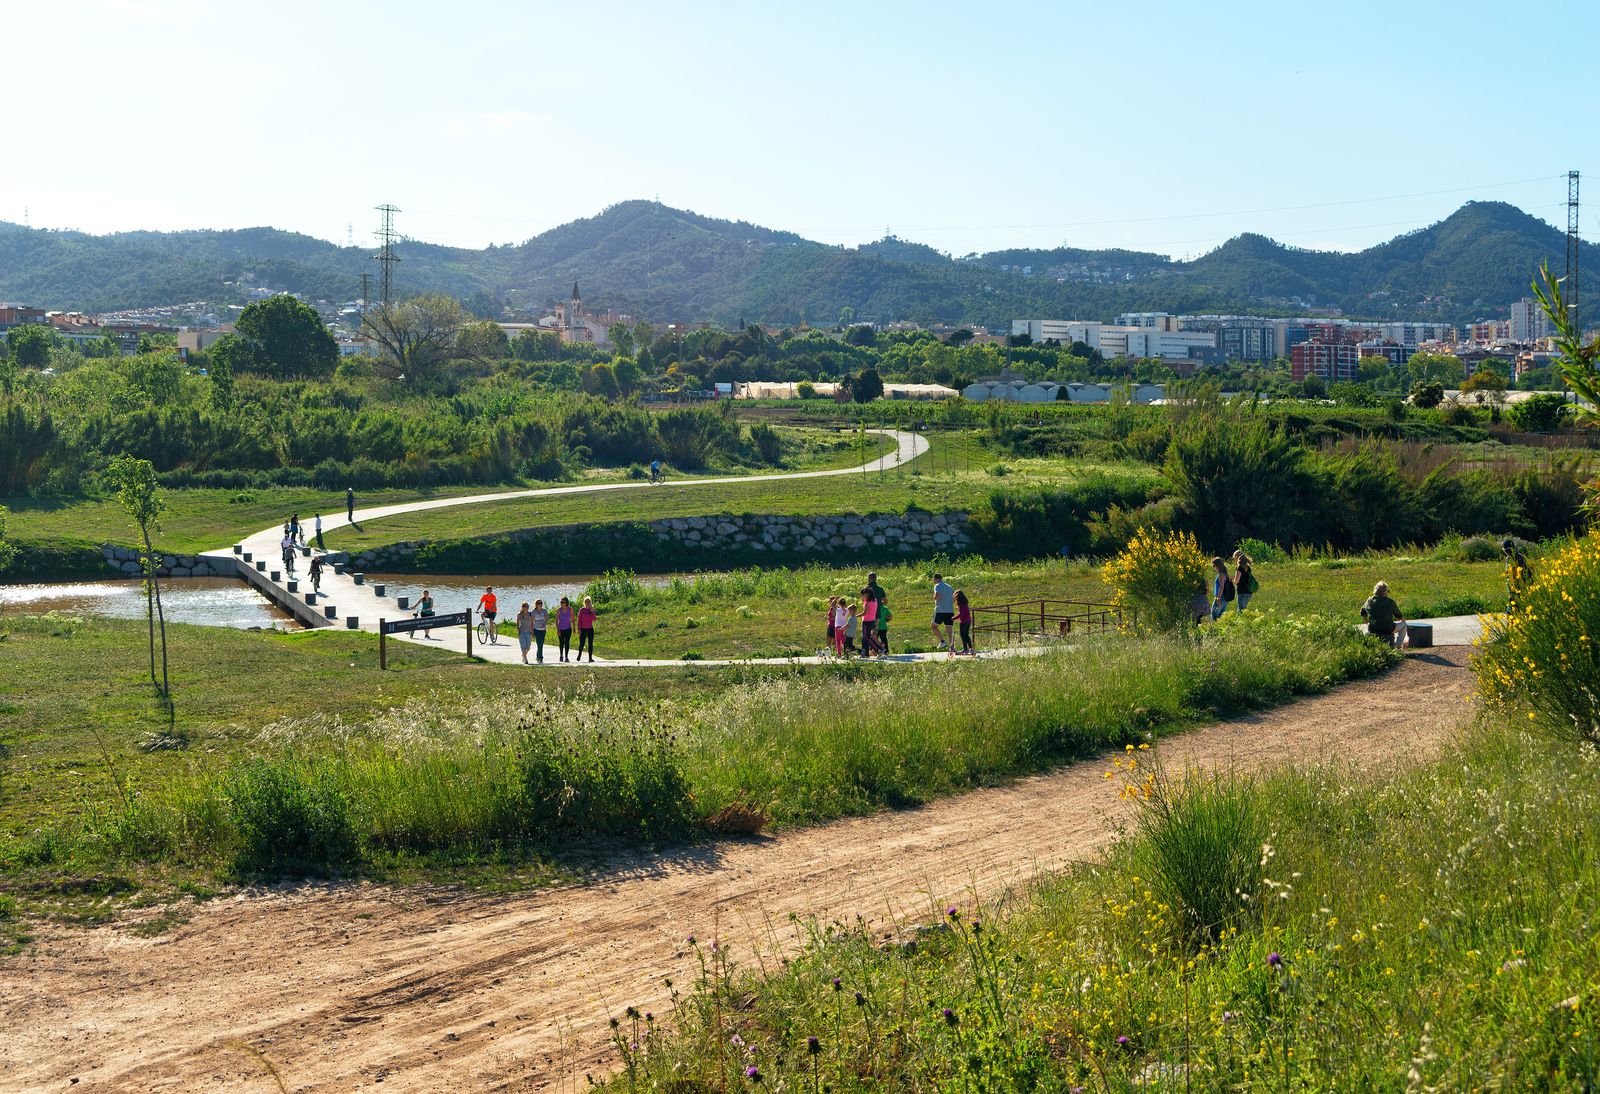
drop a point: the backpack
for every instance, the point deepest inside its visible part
(1227, 590)
(1249, 586)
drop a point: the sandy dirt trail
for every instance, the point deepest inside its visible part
(345, 987)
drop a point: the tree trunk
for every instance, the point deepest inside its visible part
(166, 690)
(149, 605)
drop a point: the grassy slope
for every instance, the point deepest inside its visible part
(773, 615)
(203, 520)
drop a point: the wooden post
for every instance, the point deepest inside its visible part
(383, 645)
(469, 634)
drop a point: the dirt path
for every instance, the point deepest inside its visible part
(341, 988)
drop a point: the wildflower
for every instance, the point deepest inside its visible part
(861, 1000)
(1122, 1041)
(837, 984)
(953, 912)
(753, 1073)
(691, 940)
(1274, 959)
(949, 1016)
(813, 1046)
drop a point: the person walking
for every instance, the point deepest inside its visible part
(1383, 616)
(425, 611)
(294, 529)
(316, 573)
(525, 630)
(944, 612)
(833, 604)
(840, 618)
(286, 546)
(564, 627)
(1222, 590)
(964, 620)
(489, 607)
(541, 623)
(852, 627)
(1518, 572)
(869, 623)
(877, 591)
(1244, 579)
(881, 632)
(586, 629)
(321, 546)
(350, 504)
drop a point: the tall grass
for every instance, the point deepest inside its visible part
(518, 774)
(1431, 930)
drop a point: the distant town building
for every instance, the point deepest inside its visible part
(572, 323)
(14, 315)
(1156, 320)
(1386, 348)
(1333, 361)
(1528, 322)
(1117, 340)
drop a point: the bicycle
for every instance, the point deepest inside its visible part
(657, 476)
(487, 633)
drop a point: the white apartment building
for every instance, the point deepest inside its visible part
(1065, 331)
(1158, 320)
(1414, 334)
(1528, 321)
(1117, 340)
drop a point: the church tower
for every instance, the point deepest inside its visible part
(575, 311)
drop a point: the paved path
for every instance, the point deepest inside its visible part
(362, 602)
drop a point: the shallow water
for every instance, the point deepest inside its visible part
(212, 601)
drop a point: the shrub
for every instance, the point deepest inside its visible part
(1157, 577)
(806, 389)
(1201, 843)
(1541, 657)
(692, 436)
(768, 442)
(286, 815)
(1261, 551)
(1029, 523)
(608, 782)
(1541, 413)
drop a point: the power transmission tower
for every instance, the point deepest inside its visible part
(386, 255)
(365, 277)
(1572, 249)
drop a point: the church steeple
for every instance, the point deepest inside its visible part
(575, 295)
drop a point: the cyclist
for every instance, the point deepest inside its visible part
(487, 607)
(316, 573)
(655, 469)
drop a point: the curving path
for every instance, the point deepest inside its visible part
(366, 606)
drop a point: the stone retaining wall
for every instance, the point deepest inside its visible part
(125, 561)
(741, 537)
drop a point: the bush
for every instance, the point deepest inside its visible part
(287, 815)
(1030, 523)
(768, 442)
(1541, 657)
(1200, 844)
(608, 782)
(1541, 413)
(692, 436)
(1157, 577)
(1261, 551)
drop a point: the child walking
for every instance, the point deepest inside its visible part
(964, 621)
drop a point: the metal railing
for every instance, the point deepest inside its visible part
(1045, 618)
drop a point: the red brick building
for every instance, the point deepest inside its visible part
(1333, 361)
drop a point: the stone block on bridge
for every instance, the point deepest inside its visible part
(238, 548)
(294, 586)
(359, 579)
(330, 612)
(352, 623)
(261, 565)
(274, 576)
(378, 588)
(402, 602)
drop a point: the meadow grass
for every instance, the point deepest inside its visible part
(1431, 929)
(523, 775)
(200, 519)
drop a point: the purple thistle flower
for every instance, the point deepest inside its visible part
(861, 1000)
(1275, 959)
(953, 912)
(813, 1046)
(691, 940)
(838, 985)
(753, 1073)
(1122, 1042)
(949, 1016)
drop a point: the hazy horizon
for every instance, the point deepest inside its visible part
(1027, 125)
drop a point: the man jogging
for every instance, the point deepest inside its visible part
(944, 611)
(488, 606)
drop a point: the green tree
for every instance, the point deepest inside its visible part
(219, 370)
(1485, 385)
(483, 341)
(1440, 368)
(8, 550)
(31, 344)
(1426, 396)
(601, 380)
(157, 376)
(1542, 413)
(135, 483)
(621, 339)
(294, 341)
(867, 386)
(847, 315)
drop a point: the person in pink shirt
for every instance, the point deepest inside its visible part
(869, 623)
(964, 621)
(586, 629)
(564, 627)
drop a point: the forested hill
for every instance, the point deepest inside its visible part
(668, 263)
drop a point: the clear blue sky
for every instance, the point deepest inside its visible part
(1161, 126)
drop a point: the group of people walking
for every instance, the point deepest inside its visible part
(1234, 588)
(866, 621)
(533, 623)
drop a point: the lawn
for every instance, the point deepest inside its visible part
(778, 613)
(203, 520)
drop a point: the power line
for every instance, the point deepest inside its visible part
(386, 256)
(1572, 248)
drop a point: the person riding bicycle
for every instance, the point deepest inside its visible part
(316, 573)
(655, 469)
(488, 606)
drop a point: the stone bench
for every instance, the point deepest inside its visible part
(1421, 635)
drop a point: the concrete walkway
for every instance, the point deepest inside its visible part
(344, 603)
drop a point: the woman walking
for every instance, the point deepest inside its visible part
(525, 630)
(1244, 579)
(541, 622)
(586, 629)
(564, 627)
(425, 610)
(1222, 590)
(869, 623)
(840, 616)
(964, 621)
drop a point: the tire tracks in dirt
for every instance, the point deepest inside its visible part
(343, 987)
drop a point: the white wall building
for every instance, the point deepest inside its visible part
(1118, 340)
(1528, 321)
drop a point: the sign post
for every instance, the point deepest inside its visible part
(419, 623)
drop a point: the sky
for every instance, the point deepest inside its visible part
(1153, 125)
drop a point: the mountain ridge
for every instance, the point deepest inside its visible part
(662, 262)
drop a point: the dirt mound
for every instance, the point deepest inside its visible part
(335, 988)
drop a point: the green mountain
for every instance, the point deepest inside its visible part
(645, 257)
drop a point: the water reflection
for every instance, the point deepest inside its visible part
(459, 594)
(211, 601)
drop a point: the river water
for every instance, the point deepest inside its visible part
(226, 602)
(213, 601)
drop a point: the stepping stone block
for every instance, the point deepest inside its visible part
(378, 589)
(359, 579)
(238, 548)
(248, 556)
(274, 576)
(330, 612)
(402, 602)
(294, 586)
(261, 566)
(1421, 635)
(311, 598)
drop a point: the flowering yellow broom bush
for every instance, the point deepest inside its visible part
(1157, 576)
(1540, 657)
